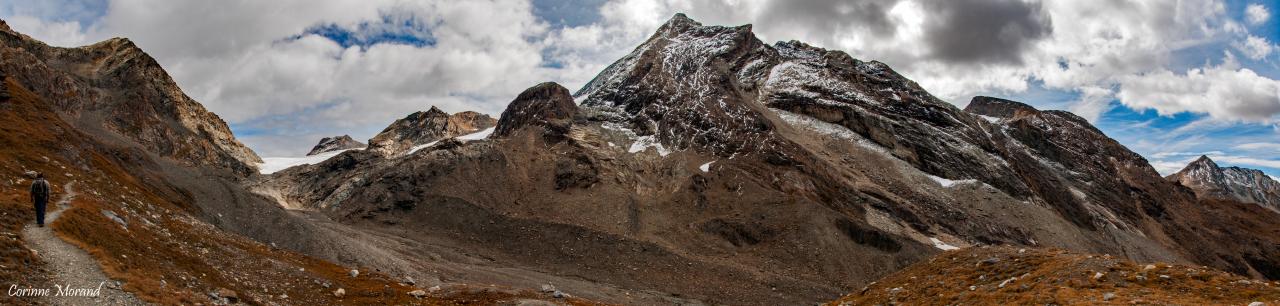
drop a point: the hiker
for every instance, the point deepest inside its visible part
(40, 197)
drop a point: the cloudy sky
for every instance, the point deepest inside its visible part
(1170, 79)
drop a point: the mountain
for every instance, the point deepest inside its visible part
(1208, 180)
(154, 195)
(421, 128)
(795, 173)
(114, 89)
(335, 143)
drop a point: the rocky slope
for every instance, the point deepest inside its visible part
(114, 89)
(160, 205)
(422, 128)
(1209, 180)
(1029, 276)
(335, 143)
(708, 157)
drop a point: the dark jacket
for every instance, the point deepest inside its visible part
(40, 191)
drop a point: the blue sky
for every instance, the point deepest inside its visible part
(1169, 79)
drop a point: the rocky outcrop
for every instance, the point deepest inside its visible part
(421, 128)
(1208, 180)
(335, 143)
(548, 106)
(114, 87)
(998, 108)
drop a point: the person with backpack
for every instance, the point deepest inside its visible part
(40, 197)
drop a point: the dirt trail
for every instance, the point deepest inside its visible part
(70, 266)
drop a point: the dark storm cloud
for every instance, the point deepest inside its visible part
(984, 31)
(831, 16)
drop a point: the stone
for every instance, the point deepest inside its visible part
(354, 273)
(548, 288)
(1108, 296)
(340, 292)
(418, 293)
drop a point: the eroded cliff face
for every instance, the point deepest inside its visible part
(1210, 181)
(114, 87)
(423, 128)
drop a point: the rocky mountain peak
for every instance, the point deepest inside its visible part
(547, 105)
(115, 87)
(1210, 181)
(424, 127)
(335, 143)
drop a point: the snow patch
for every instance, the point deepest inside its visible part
(644, 142)
(829, 129)
(271, 165)
(481, 135)
(706, 167)
(942, 245)
(420, 147)
(949, 183)
(990, 119)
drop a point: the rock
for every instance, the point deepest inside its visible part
(354, 273)
(547, 105)
(335, 143)
(972, 288)
(1097, 275)
(434, 289)
(548, 288)
(557, 294)
(1108, 296)
(224, 296)
(1148, 268)
(340, 292)
(409, 281)
(112, 215)
(1007, 281)
(31, 174)
(1257, 304)
(989, 261)
(417, 293)
(283, 297)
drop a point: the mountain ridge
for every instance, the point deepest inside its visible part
(1208, 180)
(718, 152)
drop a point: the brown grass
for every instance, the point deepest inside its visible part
(1057, 277)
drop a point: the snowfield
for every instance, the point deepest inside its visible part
(271, 165)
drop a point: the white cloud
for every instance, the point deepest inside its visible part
(1224, 92)
(1256, 14)
(1256, 48)
(1271, 146)
(62, 34)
